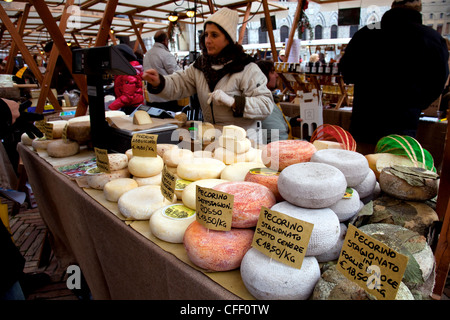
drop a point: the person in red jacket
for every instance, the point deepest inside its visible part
(128, 88)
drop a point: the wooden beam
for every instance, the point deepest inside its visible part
(105, 25)
(270, 30)
(13, 51)
(244, 25)
(138, 34)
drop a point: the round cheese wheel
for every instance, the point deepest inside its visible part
(280, 154)
(115, 188)
(170, 223)
(26, 140)
(172, 157)
(41, 143)
(312, 185)
(348, 206)
(114, 113)
(203, 154)
(237, 171)
(268, 279)
(140, 203)
(326, 229)
(335, 251)
(367, 186)
(229, 157)
(145, 166)
(180, 184)
(62, 148)
(79, 131)
(117, 161)
(200, 168)
(188, 196)
(129, 154)
(267, 177)
(163, 147)
(249, 197)
(85, 118)
(216, 250)
(98, 180)
(353, 165)
(155, 180)
(58, 127)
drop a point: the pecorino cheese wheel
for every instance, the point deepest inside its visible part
(79, 131)
(333, 253)
(117, 161)
(280, 154)
(237, 171)
(347, 207)
(144, 167)
(58, 127)
(170, 223)
(249, 197)
(188, 195)
(312, 185)
(161, 148)
(41, 143)
(353, 164)
(155, 180)
(267, 177)
(98, 180)
(173, 156)
(268, 279)
(230, 157)
(326, 229)
(367, 186)
(115, 188)
(61, 149)
(216, 250)
(140, 203)
(200, 168)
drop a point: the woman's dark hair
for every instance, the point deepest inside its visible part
(202, 37)
(266, 67)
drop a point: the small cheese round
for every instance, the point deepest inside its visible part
(280, 154)
(347, 207)
(117, 161)
(215, 250)
(115, 188)
(233, 145)
(367, 187)
(144, 167)
(161, 148)
(172, 157)
(249, 197)
(61, 149)
(200, 168)
(155, 180)
(353, 164)
(170, 223)
(312, 185)
(26, 140)
(140, 203)
(237, 171)
(188, 196)
(41, 143)
(98, 180)
(269, 279)
(229, 157)
(267, 177)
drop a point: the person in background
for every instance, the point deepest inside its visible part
(276, 126)
(231, 88)
(128, 89)
(390, 93)
(160, 59)
(282, 56)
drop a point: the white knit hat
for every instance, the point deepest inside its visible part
(226, 18)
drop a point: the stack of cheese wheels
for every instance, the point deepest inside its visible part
(249, 197)
(170, 222)
(215, 250)
(268, 279)
(237, 171)
(194, 169)
(188, 195)
(115, 188)
(61, 148)
(280, 154)
(312, 184)
(118, 165)
(140, 203)
(352, 164)
(326, 229)
(267, 177)
(146, 170)
(234, 146)
(347, 207)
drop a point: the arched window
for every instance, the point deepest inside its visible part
(284, 33)
(353, 30)
(334, 31)
(318, 32)
(262, 36)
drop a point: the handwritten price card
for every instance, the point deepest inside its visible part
(144, 145)
(371, 264)
(102, 159)
(168, 182)
(282, 237)
(214, 208)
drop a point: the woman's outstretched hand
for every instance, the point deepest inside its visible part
(152, 77)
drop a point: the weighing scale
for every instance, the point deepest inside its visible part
(95, 63)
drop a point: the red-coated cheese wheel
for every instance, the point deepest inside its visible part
(216, 250)
(249, 197)
(267, 177)
(280, 154)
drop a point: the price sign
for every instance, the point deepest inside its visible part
(48, 130)
(371, 264)
(102, 160)
(168, 181)
(282, 237)
(214, 208)
(144, 145)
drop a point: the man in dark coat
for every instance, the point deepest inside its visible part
(399, 67)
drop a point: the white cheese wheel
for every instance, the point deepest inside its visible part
(180, 184)
(229, 157)
(324, 144)
(353, 164)
(233, 145)
(203, 154)
(98, 180)
(346, 208)
(114, 113)
(155, 180)
(41, 143)
(61, 149)
(367, 186)
(326, 229)
(117, 161)
(26, 140)
(268, 279)
(115, 188)
(188, 195)
(238, 133)
(237, 171)
(335, 251)
(144, 167)
(172, 157)
(140, 203)
(163, 147)
(58, 127)
(312, 185)
(129, 154)
(194, 169)
(170, 223)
